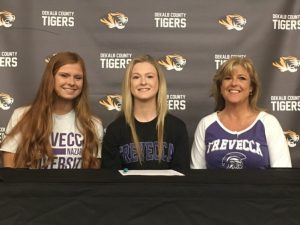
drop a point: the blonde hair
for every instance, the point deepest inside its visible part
(161, 104)
(226, 69)
(36, 125)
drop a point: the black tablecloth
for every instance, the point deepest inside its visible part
(105, 197)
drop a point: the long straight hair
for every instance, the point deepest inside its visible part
(226, 69)
(35, 127)
(161, 104)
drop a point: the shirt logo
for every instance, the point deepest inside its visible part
(233, 160)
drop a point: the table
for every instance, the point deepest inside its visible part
(218, 197)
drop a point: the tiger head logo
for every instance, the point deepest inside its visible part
(115, 20)
(233, 22)
(289, 63)
(112, 102)
(292, 138)
(6, 19)
(173, 62)
(48, 58)
(5, 101)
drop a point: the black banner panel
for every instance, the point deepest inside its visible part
(190, 39)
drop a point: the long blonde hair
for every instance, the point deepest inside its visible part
(161, 104)
(36, 125)
(226, 69)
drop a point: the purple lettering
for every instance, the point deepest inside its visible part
(53, 163)
(61, 163)
(69, 162)
(148, 149)
(54, 139)
(78, 140)
(77, 161)
(70, 139)
(62, 140)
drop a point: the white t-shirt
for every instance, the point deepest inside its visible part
(66, 140)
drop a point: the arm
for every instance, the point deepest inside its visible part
(110, 150)
(10, 144)
(8, 159)
(198, 149)
(99, 133)
(277, 144)
(181, 158)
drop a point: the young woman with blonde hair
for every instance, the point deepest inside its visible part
(145, 135)
(57, 131)
(238, 135)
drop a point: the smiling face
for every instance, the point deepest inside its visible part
(144, 82)
(68, 81)
(236, 88)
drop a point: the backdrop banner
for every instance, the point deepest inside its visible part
(190, 39)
